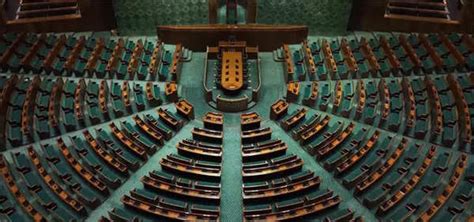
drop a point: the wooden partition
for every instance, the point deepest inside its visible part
(266, 37)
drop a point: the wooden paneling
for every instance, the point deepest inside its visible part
(368, 15)
(266, 37)
(94, 16)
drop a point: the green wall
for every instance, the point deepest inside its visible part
(326, 17)
(140, 17)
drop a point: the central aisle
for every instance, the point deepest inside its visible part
(231, 181)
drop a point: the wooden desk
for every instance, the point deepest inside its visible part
(232, 72)
(278, 109)
(214, 121)
(293, 91)
(184, 108)
(171, 91)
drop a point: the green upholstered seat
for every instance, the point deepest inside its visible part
(318, 141)
(122, 69)
(69, 121)
(337, 157)
(340, 215)
(315, 47)
(79, 68)
(396, 104)
(146, 195)
(338, 57)
(42, 128)
(421, 51)
(421, 128)
(69, 87)
(428, 65)
(161, 127)
(318, 58)
(257, 208)
(422, 110)
(376, 196)
(317, 195)
(174, 204)
(93, 88)
(164, 71)
(162, 175)
(129, 159)
(36, 65)
(363, 68)
(149, 47)
(18, 101)
(289, 204)
(184, 182)
(94, 114)
(135, 133)
(116, 91)
(205, 208)
(402, 212)
(322, 71)
(406, 65)
(385, 67)
(100, 67)
(442, 50)
(369, 112)
(207, 184)
(300, 73)
(449, 135)
(142, 70)
(123, 215)
(358, 55)
(15, 137)
(342, 69)
(297, 57)
(470, 61)
(139, 100)
(167, 57)
(450, 116)
(67, 104)
(442, 162)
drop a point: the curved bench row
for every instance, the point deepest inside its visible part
(394, 175)
(39, 108)
(382, 56)
(63, 55)
(435, 108)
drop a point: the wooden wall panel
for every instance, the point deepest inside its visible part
(368, 15)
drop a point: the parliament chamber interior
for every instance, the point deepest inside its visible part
(237, 110)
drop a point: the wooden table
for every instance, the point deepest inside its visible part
(232, 71)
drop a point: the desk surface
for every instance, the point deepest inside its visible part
(232, 71)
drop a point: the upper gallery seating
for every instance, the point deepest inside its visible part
(32, 9)
(379, 56)
(427, 10)
(79, 56)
